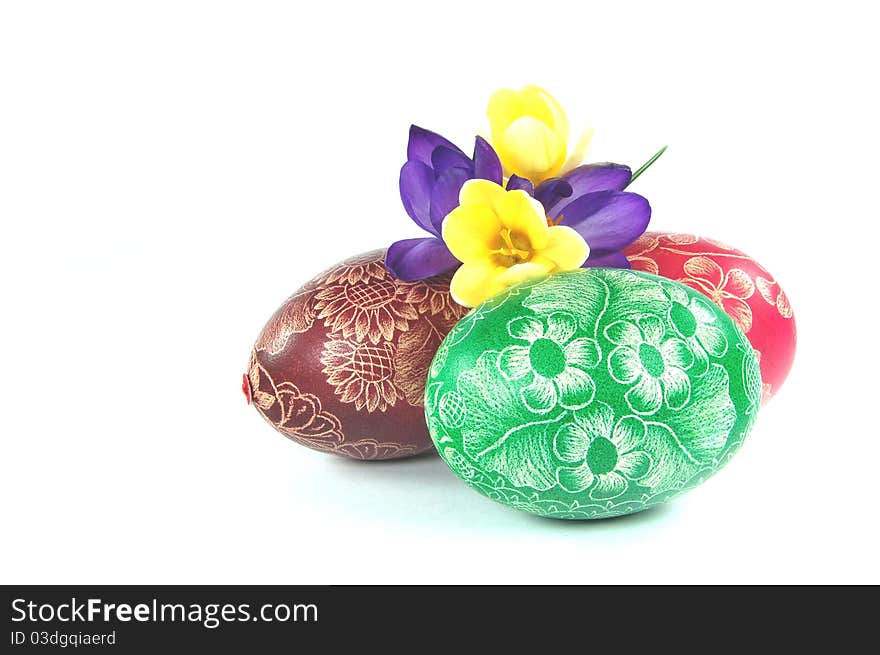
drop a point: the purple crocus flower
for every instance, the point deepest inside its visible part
(590, 199)
(430, 182)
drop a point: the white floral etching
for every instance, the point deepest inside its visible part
(733, 290)
(650, 363)
(469, 321)
(555, 361)
(604, 456)
(694, 320)
(751, 374)
(729, 290)
(452, 409)
(581, 405)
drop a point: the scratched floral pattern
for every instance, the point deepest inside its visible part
(733, 281)
(340, 367)
(638, 417)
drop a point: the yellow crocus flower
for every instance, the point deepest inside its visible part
(530, 134)
(503, 238)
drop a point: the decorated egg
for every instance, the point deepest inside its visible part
(736, 283)
(591, 393)
(341, 365)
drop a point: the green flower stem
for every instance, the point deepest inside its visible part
(647, 165)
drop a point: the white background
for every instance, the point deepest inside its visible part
(171, 171)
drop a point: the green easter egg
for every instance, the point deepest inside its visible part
(591, 393)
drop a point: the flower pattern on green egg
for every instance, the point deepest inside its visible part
(556, 362)
(652, 364)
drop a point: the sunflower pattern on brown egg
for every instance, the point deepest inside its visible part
(352, 347)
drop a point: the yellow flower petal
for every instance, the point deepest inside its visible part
(471, 231)
(565, 248)
(524, 217)
(482, 192)
(525, 271)
(475, 282)
(529, 132)
(502, 238)
(536, 102)
(504, 108)
(531, 149)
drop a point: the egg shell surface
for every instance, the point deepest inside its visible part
(340, 366)
(735, 282)
(592, 393)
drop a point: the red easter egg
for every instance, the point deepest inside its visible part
(341, 365)
(733, 281)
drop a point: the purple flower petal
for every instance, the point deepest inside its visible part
(517, 183)
(591, 178)
(443, 158)
(422, 143)
(487, 166)
(608, 220)
(550, 192)
(598, 177)
(607, 260)
(417, 259)
(416, 185)
(444, 197)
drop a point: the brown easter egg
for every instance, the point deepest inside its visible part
(341, 365)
